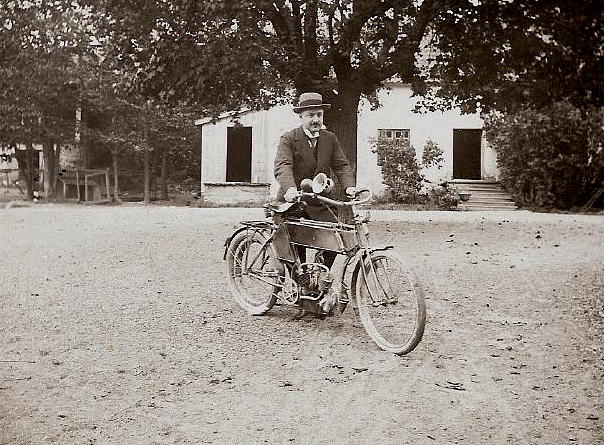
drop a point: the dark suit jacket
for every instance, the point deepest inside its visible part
(295, 160)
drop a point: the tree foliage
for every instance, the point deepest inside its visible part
(400, 169)
(133, 65)
(509, 55)
(55, 60)
(232, 54)
(491, 54)
(541, 64)
(432, 155)
(553, 157)
(41, 42)
(140, 134)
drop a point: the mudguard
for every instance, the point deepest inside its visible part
(357, 261)
(246, 225)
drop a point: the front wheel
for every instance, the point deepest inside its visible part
(390, 302)
(254, 271)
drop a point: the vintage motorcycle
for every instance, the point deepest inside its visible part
(264, 267)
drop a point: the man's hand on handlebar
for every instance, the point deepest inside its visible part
(291, 194)
(353, 192)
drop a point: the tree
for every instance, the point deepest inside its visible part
(110, 122)
(217, 55)
(510, 55)
(541, 64)
(231, 54)
(54, 69)
(173, 136)
(551, 157)
(154, 135)
(40, 44)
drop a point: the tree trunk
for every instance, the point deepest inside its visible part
(163, 185)
(341, 118)
(154, 169)
(82, 152)
(146, 179)
(116, 197)
(25, 160)
(51, 157)
(56, 162)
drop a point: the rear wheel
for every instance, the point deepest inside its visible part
(390, 302)
(254, 271)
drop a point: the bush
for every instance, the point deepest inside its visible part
(552, 157)
(400, 169)
(444, 196)
(432, 155)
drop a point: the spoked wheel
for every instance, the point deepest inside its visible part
(390, 303)
(254, 271)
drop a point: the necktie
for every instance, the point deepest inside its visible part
(313, 145)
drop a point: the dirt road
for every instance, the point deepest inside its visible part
(117, 327)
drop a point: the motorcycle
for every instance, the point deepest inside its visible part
(264, 268)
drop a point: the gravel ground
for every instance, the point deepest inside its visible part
(117, 327)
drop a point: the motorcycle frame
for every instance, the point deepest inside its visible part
(354, 258)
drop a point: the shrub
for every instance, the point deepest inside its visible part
(551, 157)
(400, 169)
(432, 155)
(445, 196)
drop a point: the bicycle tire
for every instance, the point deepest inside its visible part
(394, 318)
(256, 292)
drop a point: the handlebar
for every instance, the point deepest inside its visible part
(336, 203)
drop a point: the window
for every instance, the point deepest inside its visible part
(394, 135)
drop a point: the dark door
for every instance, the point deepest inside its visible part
(239, 154)
(466, 154)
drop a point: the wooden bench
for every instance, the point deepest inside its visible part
(89, 179)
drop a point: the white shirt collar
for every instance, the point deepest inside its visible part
(309, 134)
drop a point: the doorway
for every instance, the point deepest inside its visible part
(239, 154)
(466, 154)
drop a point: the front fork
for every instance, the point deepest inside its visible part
(348, 279)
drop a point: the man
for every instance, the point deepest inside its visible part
(308, 150)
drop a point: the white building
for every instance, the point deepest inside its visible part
(237, 151)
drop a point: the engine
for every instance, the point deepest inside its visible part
(314, 280)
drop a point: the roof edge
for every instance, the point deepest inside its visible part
(207, 120)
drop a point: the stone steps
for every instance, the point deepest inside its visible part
(485, 195)
(487, 206)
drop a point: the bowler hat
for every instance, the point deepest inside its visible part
(311, 100)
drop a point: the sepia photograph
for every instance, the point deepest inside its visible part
(301, 222)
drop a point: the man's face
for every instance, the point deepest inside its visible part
(312, 119)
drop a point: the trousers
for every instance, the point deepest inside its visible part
(328, 257)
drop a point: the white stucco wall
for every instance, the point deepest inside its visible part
(213, 152)
(267, 127)
(489, 161)
(395, 112)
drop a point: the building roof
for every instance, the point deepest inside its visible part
(207, 120)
